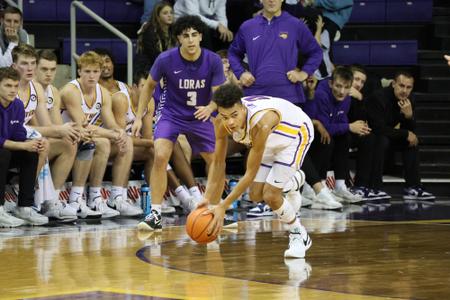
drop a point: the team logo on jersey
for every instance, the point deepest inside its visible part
(33, 98)
(98, 106)
(49, 100)
(283, 35)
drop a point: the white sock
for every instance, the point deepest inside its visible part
(125, 193)
(286, 213)
(295, 227)
(182, 194)
(340, 184)
(157, 207)
(116, 191)
(195, 191)
(94, 192)
(75, 193)
(57, 194)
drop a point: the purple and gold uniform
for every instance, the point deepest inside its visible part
(187, 85)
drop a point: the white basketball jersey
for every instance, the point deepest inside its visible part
(292, 121)
(49, 96)
(92, 113)
(30, 103)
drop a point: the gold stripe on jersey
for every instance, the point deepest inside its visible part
(305, 141)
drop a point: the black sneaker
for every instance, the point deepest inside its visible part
(151, 222)
(230, 223)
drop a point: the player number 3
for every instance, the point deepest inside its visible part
(192, 98)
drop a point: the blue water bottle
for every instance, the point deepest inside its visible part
(231, 184)
(146, 204)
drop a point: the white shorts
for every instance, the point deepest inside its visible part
(279, 164)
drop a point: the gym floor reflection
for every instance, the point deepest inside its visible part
(399, 250)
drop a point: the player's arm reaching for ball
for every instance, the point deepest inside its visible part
(259, 133)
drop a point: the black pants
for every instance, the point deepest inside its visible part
(410, 157)
(370, 152)
(27, 164)
(334, 154)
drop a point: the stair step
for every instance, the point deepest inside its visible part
(441, 11)
(438, 127)
(434, 84)
(442, 28)
(428, 112)
(363, 32)
(431, 54)
(435, 156)
(434, 139)
(421, 97)
(431, 70)
(441, 3)
(445, 42)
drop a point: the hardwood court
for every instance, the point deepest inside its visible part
(407, 257)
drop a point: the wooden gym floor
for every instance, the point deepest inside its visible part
(399, 251)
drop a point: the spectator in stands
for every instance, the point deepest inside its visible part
(271, 41)
(447, 57)
(89, 104)
(367, 183)
(11, 34)
(229, 75)
(61, 140)
(336, 14)
(62, 151)
(155, 37)
(333, 102)
(391, 115)
(214, 15)
(16, 151)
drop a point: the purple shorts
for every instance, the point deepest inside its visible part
(200, 135)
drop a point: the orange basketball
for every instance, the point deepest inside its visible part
(197, 224)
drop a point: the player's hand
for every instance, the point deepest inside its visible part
(30, 146)
(295, 76)
(215, 226)
(202, 113)
(203, 203)
(121, 140)
(136, 128)
(247, 79)
(42, 145)
(405, 108)
(325, 137)
(447, 57)
(359, 127)
(12, 34)
(355, 94)
(412, 139)
(70, 132)
(224, 33)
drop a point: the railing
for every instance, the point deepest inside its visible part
(18, 4)
(73, 42)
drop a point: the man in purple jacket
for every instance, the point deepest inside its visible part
(272, 41)
(332, 102)
(16, 151)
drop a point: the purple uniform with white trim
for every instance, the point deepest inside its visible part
(186, 85)
(272, 49)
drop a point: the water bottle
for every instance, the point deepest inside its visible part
(146, 204)
(231, 184)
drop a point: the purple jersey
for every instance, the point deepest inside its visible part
(187, 84)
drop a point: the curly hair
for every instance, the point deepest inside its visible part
(187, 22)
(228, 95)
